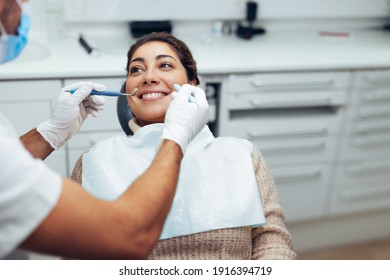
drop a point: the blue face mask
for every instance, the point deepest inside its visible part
(12, 45)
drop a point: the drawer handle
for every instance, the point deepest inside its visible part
(325, 101)
(364, 169)
(297, 176)
(320, 83)
(362, 129)
(361, 143)
(317, 131)
(381, 81)
(371, 113)
(376, 96)
(293, 148)
(351, 196)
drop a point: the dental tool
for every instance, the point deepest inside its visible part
(109, 93)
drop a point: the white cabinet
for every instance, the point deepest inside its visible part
(295, 120)
(363, 174)
(26, 104)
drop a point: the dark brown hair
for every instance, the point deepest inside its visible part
(181, 49)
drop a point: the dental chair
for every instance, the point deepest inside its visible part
(124, 114)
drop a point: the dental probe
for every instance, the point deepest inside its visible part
(108, 93)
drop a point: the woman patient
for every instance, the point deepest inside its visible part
(226, 205)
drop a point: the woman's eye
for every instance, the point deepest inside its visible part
(135, 69)
(166, 65)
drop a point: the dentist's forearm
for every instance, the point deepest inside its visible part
(36, 144)
(82, 226)
(151, 195)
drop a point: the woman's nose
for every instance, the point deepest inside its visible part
(151, 77)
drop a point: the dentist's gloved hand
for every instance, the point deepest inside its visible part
(184, 119)
(70, 112)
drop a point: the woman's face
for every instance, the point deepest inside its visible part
(153, 69)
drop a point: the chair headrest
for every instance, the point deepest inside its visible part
(124, 114)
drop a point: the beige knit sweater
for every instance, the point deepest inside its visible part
(271, 241)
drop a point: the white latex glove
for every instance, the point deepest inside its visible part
(70, 112)
(184, 118)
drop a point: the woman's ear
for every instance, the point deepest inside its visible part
(193, 82)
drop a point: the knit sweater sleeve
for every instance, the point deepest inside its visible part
(77, 172)
(271, 241)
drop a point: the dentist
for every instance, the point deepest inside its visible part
(42, 212)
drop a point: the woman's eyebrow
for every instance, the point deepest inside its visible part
(137, 59)
(160, 56)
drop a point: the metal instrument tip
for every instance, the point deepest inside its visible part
(134, 91)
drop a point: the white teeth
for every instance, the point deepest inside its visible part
(152, 95)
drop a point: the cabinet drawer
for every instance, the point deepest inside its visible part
(289, 141)
(361, 146)
(369, 112)
(365, 172)
(374, 96)
(107, 119)
(287, 81)
(29, 90)
(280, 152)
(290, 99)
(373, 79)
(26, 115)
(302, 190)
(362, 185)
(370, 126)
(361, 200)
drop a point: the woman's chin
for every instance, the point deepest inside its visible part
(151, 119)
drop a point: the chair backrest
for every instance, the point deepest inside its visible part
(124, 114)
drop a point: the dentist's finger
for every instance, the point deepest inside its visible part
(200, 97)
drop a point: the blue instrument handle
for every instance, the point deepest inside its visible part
(103, 92)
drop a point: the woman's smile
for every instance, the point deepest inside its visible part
(151, 96)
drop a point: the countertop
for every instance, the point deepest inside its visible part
(275, 51)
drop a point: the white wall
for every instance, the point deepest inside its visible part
(57, 17)
(127, 10)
